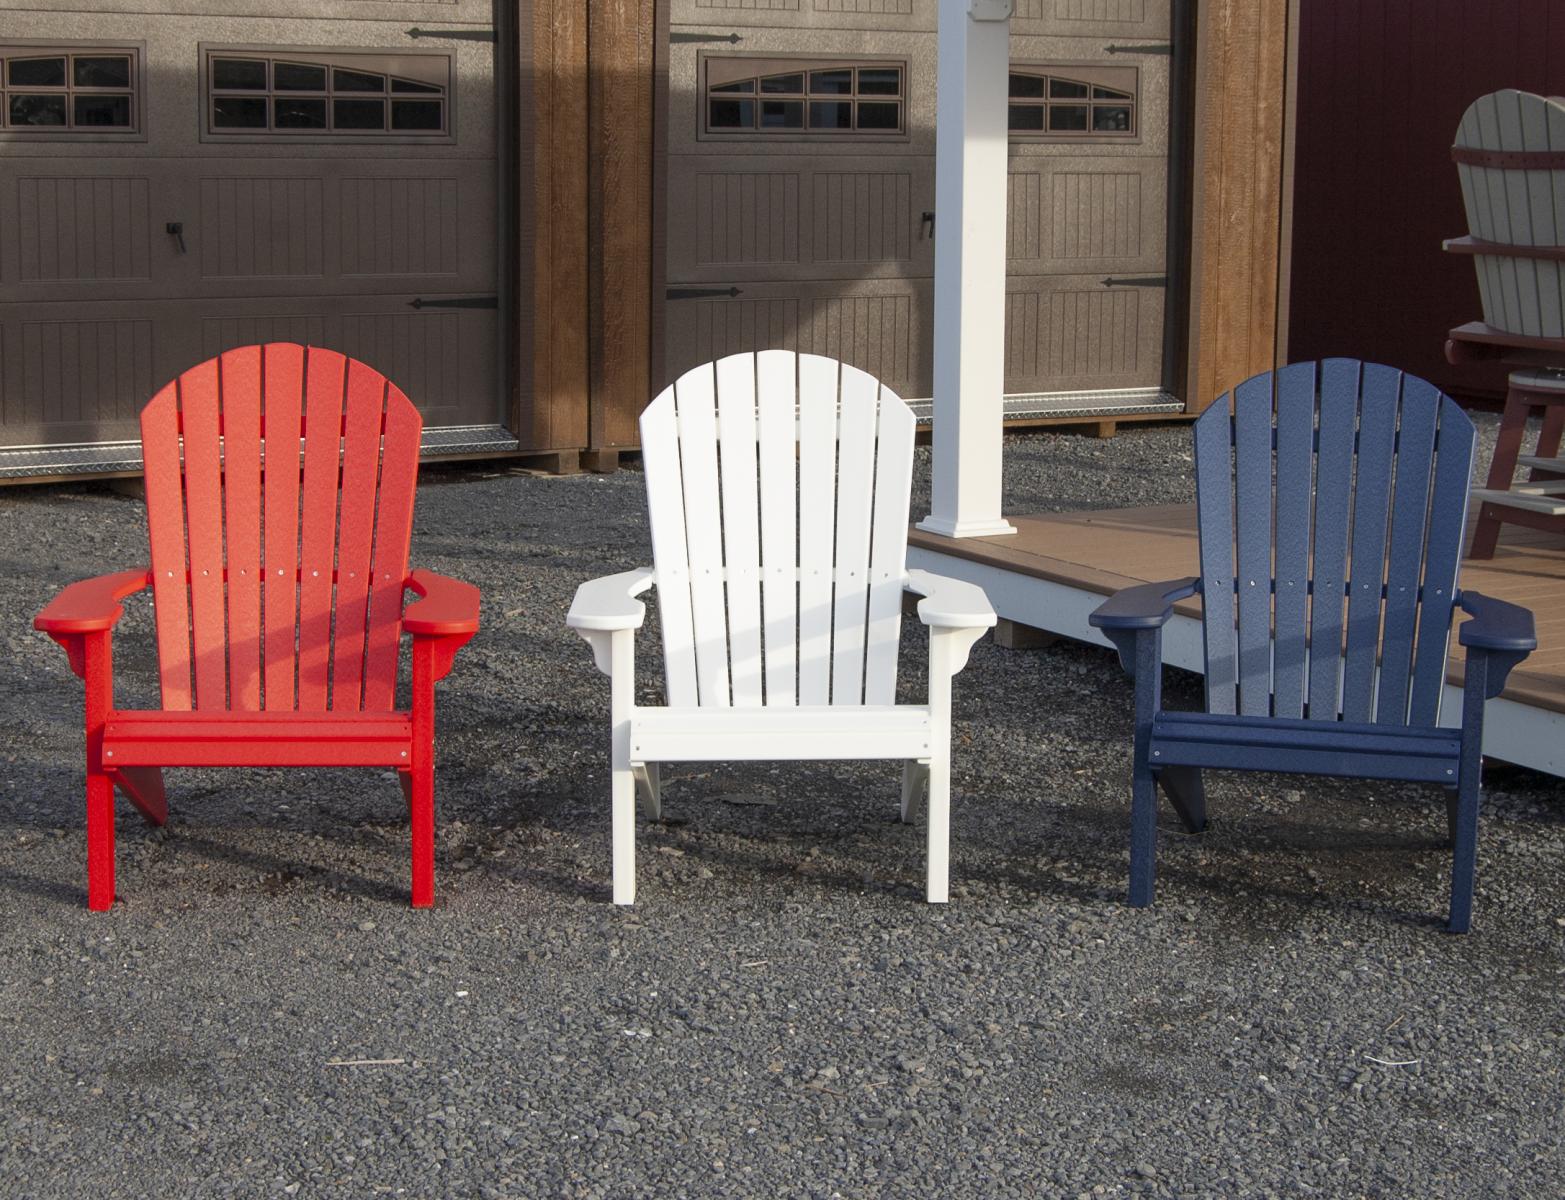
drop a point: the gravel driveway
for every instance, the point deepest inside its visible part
(780, 1014)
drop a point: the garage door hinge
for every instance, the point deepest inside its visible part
(460, 35)
(1149, 48)
(700, 293)
(733, 39)
(458, 302)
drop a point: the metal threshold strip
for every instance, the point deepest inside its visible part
(107, 458)
(1121, 402)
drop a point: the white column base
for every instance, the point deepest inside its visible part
(965, 529)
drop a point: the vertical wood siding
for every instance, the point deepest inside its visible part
(1382, 87)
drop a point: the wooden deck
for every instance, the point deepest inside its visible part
(1058, 566)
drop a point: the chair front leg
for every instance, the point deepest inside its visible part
(622, 678)
(1147, 657)
(1464, 821)
(92, 658)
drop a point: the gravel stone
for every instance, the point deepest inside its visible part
(780, 1013)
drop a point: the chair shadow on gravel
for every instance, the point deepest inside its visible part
(50, 890)
(288, 869)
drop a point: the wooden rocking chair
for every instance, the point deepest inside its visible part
(1328, 586)
(777, 488)
(279, 620)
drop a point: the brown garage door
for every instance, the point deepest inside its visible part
(181, 183)
(801, 188)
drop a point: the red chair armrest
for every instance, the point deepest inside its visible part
(91, 605)
(444, 607)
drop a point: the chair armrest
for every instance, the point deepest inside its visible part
(445, 606)
(1146, 606)
(609, 604)
(90, 605)
(1496, 625)
(950, 603)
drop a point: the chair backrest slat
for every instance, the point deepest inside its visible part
(241, 402)
(888, 551)
(1367, 562)
(389, 562)
(1339, 381)
(666, 514)
(695, 399)
(1405, 558)
(1215, 516)
(235, 498)
(777, 489)
(1253, 542)
(165, 491)
(741, 527)
(1455, 440)
(1330, 467)
(817, 525)
(855, 516)
(1293, 521)
(777, 440)
(366, 400)
(324, 379)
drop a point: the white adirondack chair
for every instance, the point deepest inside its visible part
(777, 489)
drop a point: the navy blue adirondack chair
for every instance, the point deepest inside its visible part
(1332, 500)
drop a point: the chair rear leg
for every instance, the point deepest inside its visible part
(100, 841)
(649, 787)
(1143, 836)
(420, 788)
(937, 889)
(1186, 794)
(1464, 859)
(915, 774)
(143, 787)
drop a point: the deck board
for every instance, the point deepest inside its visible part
(1109, 549)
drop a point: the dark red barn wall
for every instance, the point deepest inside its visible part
(1382, 85)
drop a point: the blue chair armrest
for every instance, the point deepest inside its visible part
(1496, 625)
(1146, 606)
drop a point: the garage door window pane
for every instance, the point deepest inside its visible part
(298, 77)
(1027, 118)
(239, 112)
(357, 81)
(744, 86)
(1067, 117)
(239, 74)
(408, 85)
(37, 111)
(1065, 89)
(831, 114)
(831, 83)
(1110, 118)
(782, 114)
(880, 81)
(732, 114)
(359, 114)
(102, 72)
(299, 113)
(1027, 86)
(416, 114)
(792, 85)
(111, 112)
(879, 115)
(36, 72)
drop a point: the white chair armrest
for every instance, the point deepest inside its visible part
(608, 606)
(950, 603)
(610, 603)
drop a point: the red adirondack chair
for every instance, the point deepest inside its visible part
(278, 616)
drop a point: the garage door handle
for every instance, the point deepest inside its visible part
(1137, 281)
(700, 293)
(459, 302)
(1148, 48)
(928, 219)
(176, 230)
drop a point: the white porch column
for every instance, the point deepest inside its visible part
(971, 147)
